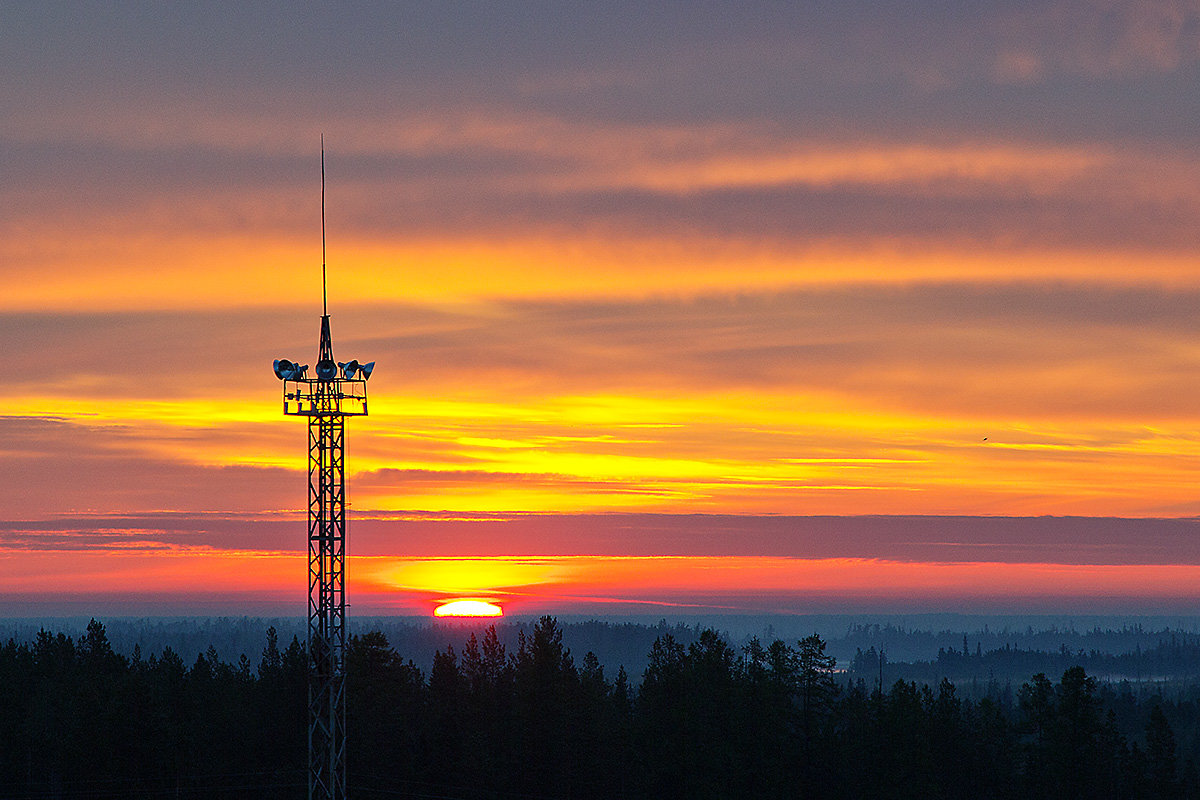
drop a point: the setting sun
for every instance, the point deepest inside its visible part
(468, 608)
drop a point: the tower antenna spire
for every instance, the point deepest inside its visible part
(324, 291)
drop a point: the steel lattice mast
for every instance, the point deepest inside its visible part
(339, 390)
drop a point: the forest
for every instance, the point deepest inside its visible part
(705, 719)
(1171, 662)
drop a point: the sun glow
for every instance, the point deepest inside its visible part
(468, 608)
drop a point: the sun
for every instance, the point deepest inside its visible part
(468, 608)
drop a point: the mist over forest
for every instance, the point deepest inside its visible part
(967, 649)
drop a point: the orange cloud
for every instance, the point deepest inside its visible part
(933, 399)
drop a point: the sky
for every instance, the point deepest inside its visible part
(676, 307)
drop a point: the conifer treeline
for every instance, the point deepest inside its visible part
(704, 721)
(1172, 659)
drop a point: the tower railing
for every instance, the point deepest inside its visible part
(315, 398)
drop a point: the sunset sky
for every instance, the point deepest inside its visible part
(676, 307)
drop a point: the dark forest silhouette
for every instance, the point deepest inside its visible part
(705, 720)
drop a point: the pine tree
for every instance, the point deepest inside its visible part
(1162, 765)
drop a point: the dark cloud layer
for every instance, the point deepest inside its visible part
(855, 60)
(917, 539)
(450, 119)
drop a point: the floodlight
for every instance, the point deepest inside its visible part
(283, 368)
(326, 369)
(349, 369)
(366, 369)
